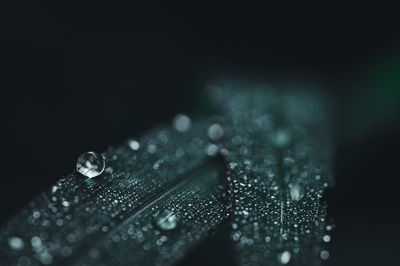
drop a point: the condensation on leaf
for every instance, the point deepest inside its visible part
(278, 161)
(77, 221)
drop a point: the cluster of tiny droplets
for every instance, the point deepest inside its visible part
(139, 196)
(278, 174)
(106, 201)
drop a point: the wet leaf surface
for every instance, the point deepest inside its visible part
(161, 195)
(278, 159)
(171, 171)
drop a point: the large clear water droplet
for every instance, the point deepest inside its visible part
(166, 220)
(90, 164)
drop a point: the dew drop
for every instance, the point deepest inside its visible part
(215, 132)
(329, 227)
(36, 215)
(182, 123)
(284, 257)
(280, 138)
(90, 164)
(326, 238)
(54, 189)
(16, 243)
(46, 258)
(324, 254)
(24, 261)
(166, 220)
(134, 144)
(65, 203)
(211, 149)
(36, 242)
(152, 148)
(157, 164)
(295, 193)
(233, 165)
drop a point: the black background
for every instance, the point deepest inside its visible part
(79, 78)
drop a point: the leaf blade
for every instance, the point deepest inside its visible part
(278, 172)
(66, 220)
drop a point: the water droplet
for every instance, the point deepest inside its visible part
(90, 164)
(281, 138)
(182, 123)
(157, 164)
(54, 189)
(36, 242)
(211, 149)
(46, 258)
(24, 261)
(233, 165)
(36, 215)
(224, 152)
(152, 148)
(324, 254)
(329, 227)
(65, 203)
(16, 243)
(295, 192)
(215, 132)
(166, 220)
(134, 144)
(326, 238)
(284, 257)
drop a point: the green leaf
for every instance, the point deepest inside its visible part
(164, 230)
(109, 219)
(157, 200)
(278, 155)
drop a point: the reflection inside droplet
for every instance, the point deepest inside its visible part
(90, 164)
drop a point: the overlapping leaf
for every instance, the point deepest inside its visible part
(278, 154)
(156, 202)
(72, 219)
